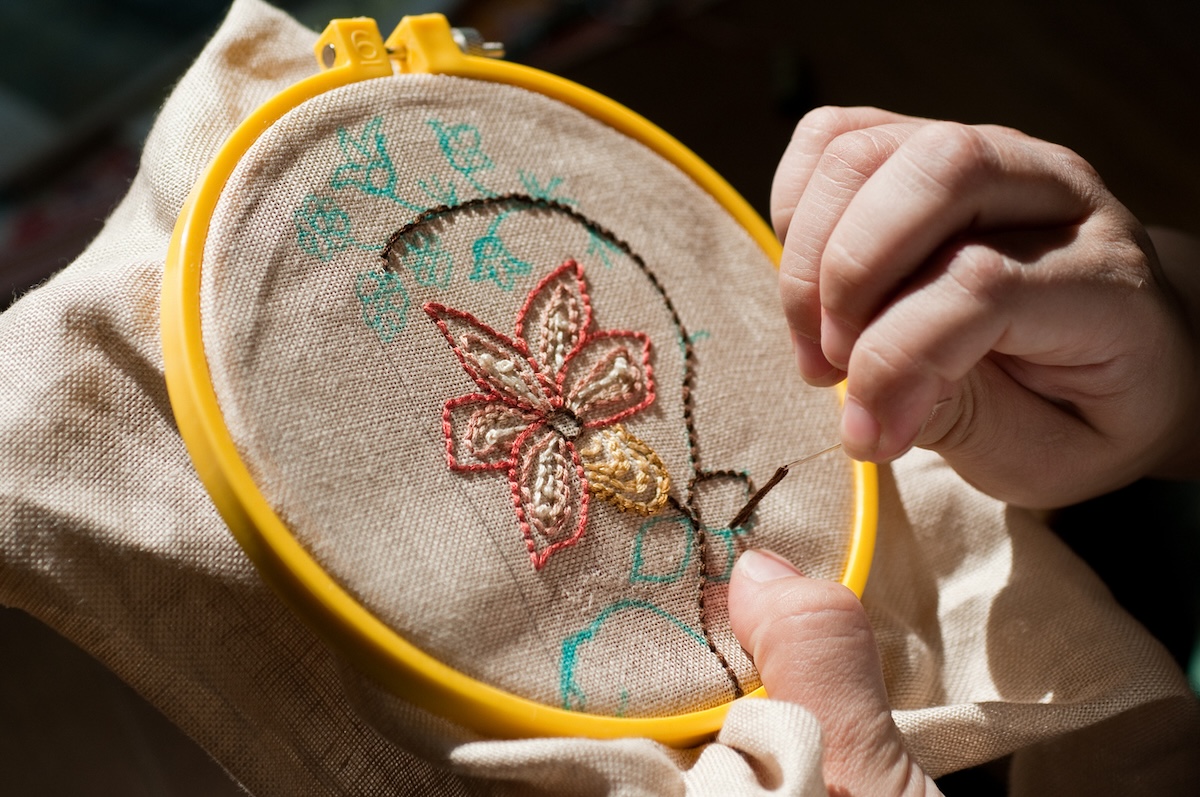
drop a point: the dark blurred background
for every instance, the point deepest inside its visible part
(1118, 82)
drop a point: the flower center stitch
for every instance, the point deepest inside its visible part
(565, 423)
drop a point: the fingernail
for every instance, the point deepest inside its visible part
(763, 566)
(837, 340)
(860, 431)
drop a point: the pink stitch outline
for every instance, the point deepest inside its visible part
(580, 291)
(528, 463)
(647, 379)
(436, 311)
(539, 558)
(546, 344)
(448, 431)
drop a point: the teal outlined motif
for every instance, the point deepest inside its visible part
(726, 536)
(322, 228)
(573, 697)
(441, 193)
(462, 145)
(535, 189)
(637, 573)
(384, 303)
(368, 166)
(493, 260)
(429, 263)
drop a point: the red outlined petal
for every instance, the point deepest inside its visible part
(549, 492)
(609, 377)
(496, 363)
(481, 431)
(556, 316)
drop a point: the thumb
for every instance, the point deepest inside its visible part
(813, 645)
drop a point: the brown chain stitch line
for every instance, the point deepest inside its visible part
(480, 203)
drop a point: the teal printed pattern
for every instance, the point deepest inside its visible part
(547, 192)
(441, 193)
(573, 697)
(384, 302)
(322, 228)
(602, 248)
(726, 536)
(662, 526)
(493, 260)
(723, 537)
(368, 166)
(463, 147)
(429, 263)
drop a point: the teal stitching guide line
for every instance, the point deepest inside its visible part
(573, 697)
(601, 248)
(323, 228)
(429, 263)
(538, 191)
(441, 193)
(689, 534)
(727, 536)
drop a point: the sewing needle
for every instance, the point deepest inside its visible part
(744, 515)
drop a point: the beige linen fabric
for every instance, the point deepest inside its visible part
(995, 639)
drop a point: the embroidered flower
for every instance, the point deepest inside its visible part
(549, 415)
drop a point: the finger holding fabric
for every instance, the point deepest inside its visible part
(988, 298)
(813, 645)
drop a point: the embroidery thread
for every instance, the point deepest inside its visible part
(553, 396)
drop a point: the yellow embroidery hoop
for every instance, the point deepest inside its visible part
(348, 51)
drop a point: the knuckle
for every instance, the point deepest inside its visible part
(851, 156)
(983, 274)
(843, 271)
(953, 155)
(826, 121)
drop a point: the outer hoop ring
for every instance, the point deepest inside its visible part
(419, 45)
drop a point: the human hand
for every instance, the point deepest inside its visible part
(985, 296)
(812, 645)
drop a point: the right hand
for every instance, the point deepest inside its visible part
(985, 296)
